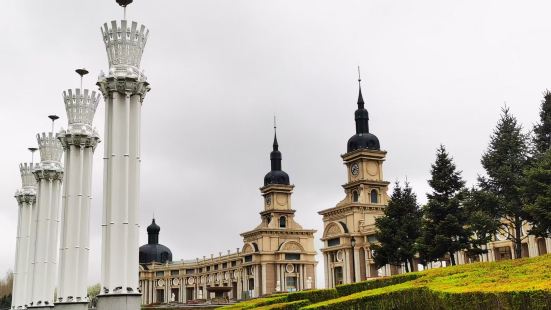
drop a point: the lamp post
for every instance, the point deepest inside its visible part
(353, 244)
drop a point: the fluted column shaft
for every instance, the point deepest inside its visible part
(21, 269)
(120, 228)
(47, 223)
(75, 231)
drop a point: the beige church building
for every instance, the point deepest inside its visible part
(278, 255)
(349, 227)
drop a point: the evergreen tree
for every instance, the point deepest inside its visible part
(399, 229)
(542, 130)
(483, 222)
(444, 219)
(504, 162)
(537, 191)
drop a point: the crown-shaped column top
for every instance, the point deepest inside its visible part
(27, 178)
(124, 41)
(81, 107)
(50, 148)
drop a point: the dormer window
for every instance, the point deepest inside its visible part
(374, 196)
(355, 196)
(282, 222)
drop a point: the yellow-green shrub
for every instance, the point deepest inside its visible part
(257, 302)
(291, 305)
(313, 295)
(347, 289)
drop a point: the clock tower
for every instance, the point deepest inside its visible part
(278, 255)
(349, 227)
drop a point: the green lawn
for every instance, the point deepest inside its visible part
(511, 284)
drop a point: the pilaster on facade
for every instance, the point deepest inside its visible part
(79, 142)
(49, 177)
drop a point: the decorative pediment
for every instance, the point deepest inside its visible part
(331, 230)
(291, 246)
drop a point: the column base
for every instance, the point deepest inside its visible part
(72, 305)
(119, 302)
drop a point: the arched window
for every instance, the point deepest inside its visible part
(355, 196)
(374, 196)
(282, 222)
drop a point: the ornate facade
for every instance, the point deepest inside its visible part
(349, 227)
(277, 256)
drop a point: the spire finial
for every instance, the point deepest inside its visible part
(360, 97)
(276, 145)
(53, 118)
(32, 149)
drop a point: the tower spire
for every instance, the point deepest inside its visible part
(275, 145)
(360, 97)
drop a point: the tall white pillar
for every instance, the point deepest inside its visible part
(26, 199)
(79, 142)
(49, 175)
(123, 89)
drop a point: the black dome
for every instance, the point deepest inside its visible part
(153, 251)
(153, 228)
(363, 141)
(276, 177)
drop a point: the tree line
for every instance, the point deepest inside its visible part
(514, 193)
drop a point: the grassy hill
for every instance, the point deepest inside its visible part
(511, 284)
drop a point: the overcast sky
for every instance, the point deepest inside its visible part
(433, 72)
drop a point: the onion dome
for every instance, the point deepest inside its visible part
(153, 251)
(276, 175)
(362, 139)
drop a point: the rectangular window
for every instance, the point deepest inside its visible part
(208, 268)
(224, 265)
(234, 263)
(160, 274)
(334, 242)
(175, 272)
(215, 267)
(292, 256)
(291, 284)
(190, 271)
(248, 258)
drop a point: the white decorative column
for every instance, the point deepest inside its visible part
(123, 89)
(49, 175)
(79, 142)
(26, 199)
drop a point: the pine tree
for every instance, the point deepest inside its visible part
(444, 219)
(398, 230)
(542, 130)
(504, 162)
(483, 221)
(537, 191)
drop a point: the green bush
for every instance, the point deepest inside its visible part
(292, 305)
(421, 298)
(347, 289)
(313, 296)
(257, 302)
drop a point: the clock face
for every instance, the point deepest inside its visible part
(355, 169)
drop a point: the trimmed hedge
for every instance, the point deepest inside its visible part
(313, 296)
(292, 305)
(347, 289)
(422, 298)
(257, 302)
